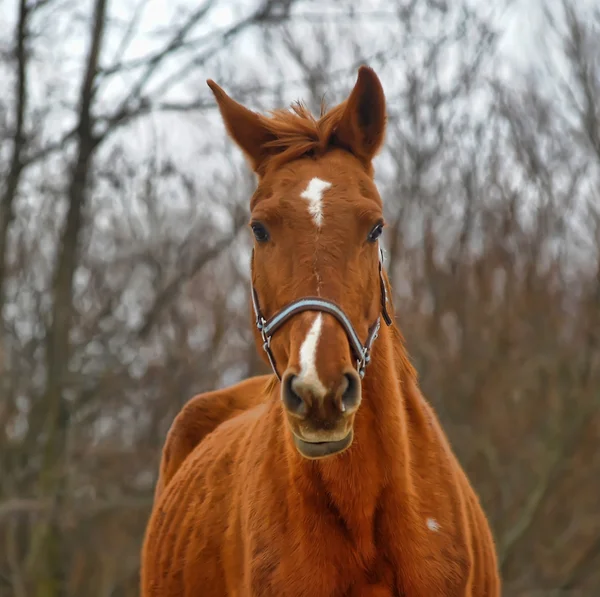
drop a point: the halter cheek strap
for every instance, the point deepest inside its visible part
(362, 352)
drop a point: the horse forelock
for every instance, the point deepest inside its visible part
(297, 133)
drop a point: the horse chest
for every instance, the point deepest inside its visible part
(334, 577)
(390, 559)
(319, 563)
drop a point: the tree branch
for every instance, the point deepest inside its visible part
(16, 161)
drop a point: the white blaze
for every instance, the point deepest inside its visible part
(314, 195)
(308, 358)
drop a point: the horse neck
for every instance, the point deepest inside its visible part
(353, 481)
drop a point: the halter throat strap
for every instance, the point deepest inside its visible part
(362, 352)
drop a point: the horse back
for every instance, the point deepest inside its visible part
(202, 415)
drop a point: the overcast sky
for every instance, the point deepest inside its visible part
(523, 43)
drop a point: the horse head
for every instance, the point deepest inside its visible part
(318, 289)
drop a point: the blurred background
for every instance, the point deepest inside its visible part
(124, 254)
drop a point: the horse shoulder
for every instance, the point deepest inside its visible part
(451, 531)
(200, 416)
(484, 579)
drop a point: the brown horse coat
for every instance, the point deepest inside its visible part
(241, 510)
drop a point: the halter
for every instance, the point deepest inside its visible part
(362, 352)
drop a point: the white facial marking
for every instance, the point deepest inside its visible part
(308, 356)
(432, 525)
(314, 194)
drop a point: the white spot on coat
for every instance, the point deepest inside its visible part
(309, 375)
(314, 195)
(433, 525)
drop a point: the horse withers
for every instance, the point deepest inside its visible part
(331, 477)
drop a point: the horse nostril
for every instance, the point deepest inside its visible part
(292, 400)
(351, 395)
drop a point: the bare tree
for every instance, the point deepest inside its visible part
(124, 265)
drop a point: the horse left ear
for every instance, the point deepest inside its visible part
(361, 128)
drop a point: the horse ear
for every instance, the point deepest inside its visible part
(362, 125)
(245, 127)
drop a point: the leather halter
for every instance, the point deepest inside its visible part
(362, 352)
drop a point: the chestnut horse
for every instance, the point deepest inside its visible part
(331, 477)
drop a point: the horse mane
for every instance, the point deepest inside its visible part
(407, 369)
(297, 132)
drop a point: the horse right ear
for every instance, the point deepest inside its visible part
(245, 127)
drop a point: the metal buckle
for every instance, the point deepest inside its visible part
(265, 337)
(377, 330)
(361, 364)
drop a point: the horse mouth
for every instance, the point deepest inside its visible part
(315, 450)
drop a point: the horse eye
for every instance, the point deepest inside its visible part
(260, 232)
(375, 233)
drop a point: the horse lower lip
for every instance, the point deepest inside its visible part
(322, 449)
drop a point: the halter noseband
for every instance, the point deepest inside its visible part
(362, 352)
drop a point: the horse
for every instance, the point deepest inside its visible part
(330, 476)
